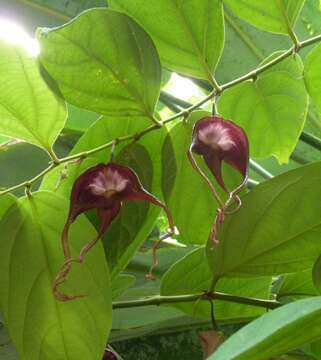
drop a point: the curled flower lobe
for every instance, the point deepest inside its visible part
(103, 187)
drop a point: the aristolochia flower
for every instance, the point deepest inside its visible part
(102, 187)
(220, 140)
(217, 140)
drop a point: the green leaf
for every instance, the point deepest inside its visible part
(297, 285)
(80, 120)
(282, 235)
(191, 275)
(186, 193)
(29, 110)
(272, 109)
(277, 16)
(121, 284)
(253, 45)
(316, 274)
(312, 75)
(136, 220)
(189, 35)
(104, 62)
(30, 256)
(274, 333)
(6, 201)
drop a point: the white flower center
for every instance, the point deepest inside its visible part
(216, 136)
(108, 182)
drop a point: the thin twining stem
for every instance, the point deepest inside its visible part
(203, 175)
(223, 211)
(159, 300)
(250, 75)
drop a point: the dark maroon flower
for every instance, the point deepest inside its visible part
(102, 187)
(217, 140)
(220, 140)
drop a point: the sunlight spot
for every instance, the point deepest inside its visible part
(182, 88)
(15, 34)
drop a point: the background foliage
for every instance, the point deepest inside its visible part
(107, 74)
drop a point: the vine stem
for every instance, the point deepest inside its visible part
(182, 114)
(159, 300)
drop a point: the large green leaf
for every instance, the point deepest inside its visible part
(191, 275)
(274, 333)
(277, 229)
(104, 62)
(136, 220)
(29, 110)
(189, 35)
(312, 75)
(272, 109)
(30, 256)
(277, 16)
(186, 193)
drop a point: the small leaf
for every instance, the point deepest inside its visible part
(29, 110)
(189, 35)
(312, 75)
(274, 333)
(30, 255)
(277, 16)
(297, 285)
(272, 109)
(121, 284)
(191, 275)
(283, 233)
(104, 62)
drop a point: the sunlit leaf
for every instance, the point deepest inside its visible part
(312, 75)
(29, 110)
(30, 256)
(104, 62)
(189, 35)
(276, 231)
(277, 16)
(272, 109)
